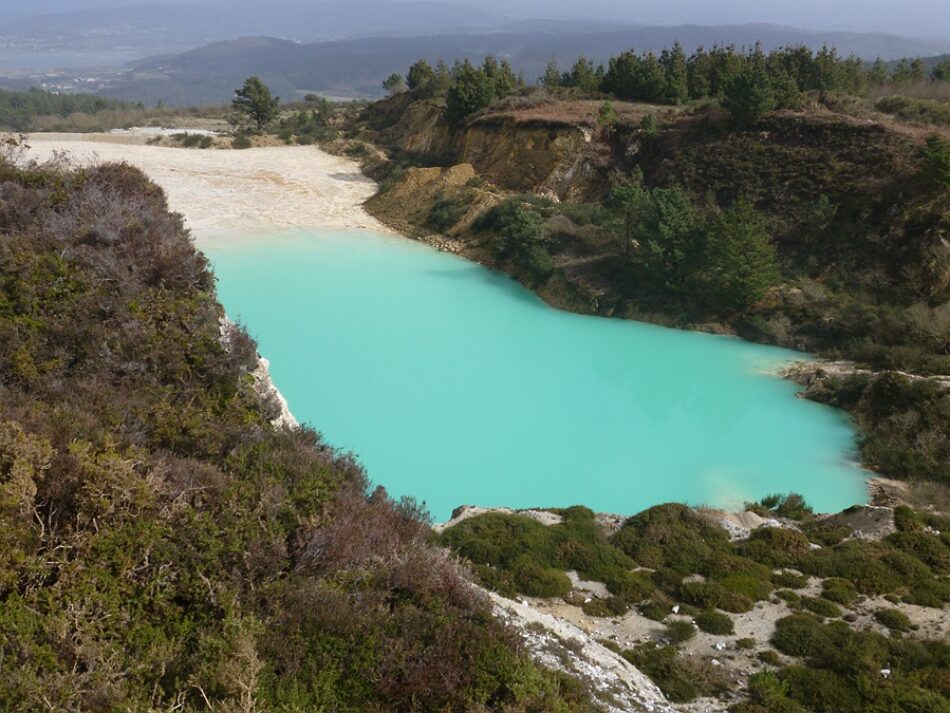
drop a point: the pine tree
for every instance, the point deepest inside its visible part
(749, 96)
(677, 79)
(742, 260)
(878, 72)
(255, 104)
(420, 75)
(552, 75)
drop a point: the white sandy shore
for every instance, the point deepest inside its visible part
(224, 194)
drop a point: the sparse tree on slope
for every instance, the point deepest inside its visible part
(742, 260)
(420, 75)
(254, 104)
(472, 91)
(552, 75)
(394, 84)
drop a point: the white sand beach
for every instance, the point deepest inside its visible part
(226, 194)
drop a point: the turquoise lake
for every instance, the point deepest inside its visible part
(456, 385)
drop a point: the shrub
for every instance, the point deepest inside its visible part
(769, 657)
(839, 590)
(630, 586)
(610, 606)
(873, 567)
(708, 595)
(821, 607)
(657, 608)
(788, 595)
(445, 213)
(906, 520)
(749, 587)
(937, 161)
(671, 536)
(745, 644)
(679, 631)
(537, 581)
(668, 671)
(925, 547)
(822, 690)
(776, 546)
(792, 580)
(799, 635)
(713, 622)
(240, 142)
(825, 534)
(893, 619)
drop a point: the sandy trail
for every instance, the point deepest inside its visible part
(226, 194)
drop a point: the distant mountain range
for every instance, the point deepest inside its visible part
(187, 54)
(356, 67)
(163, 26)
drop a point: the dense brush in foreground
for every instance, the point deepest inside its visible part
(162, 546)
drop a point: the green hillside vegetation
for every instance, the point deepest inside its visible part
(40, 110)
(162, 545)
(670, 554)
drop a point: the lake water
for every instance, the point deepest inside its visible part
(456, 385)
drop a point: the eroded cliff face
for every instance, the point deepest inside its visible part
(558, 160)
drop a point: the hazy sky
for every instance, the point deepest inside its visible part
(915, 17)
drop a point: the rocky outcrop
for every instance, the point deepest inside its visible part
(616, 684)
(559, 160)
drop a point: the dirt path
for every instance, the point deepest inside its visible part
(224, 192)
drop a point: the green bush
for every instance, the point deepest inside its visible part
(536, 581)
(937, 161)
(240, 142)
(825, 534)
(821, 607)
(893, 619)
(792, 506)
(788, 595)
(923, 546)
(746, 644)
(713, 622)
(632, 587)
(671, 536)
(839, 590)
(792, 580)
(776, 546)
(679, 631)
(446, 212)
(755, 589)
(873, 567)
(822, 690)
(906, 520)
(709, 595)
(610, 606)
(670, 672)
(799, 635)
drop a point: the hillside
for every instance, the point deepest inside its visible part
(821, 228)
(164, 545)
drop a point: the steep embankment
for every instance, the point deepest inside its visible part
(163, 545)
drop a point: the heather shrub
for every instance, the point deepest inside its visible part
(679, 631)
(893, 619)
(821, 607)
(713, 622)
(839, 590)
